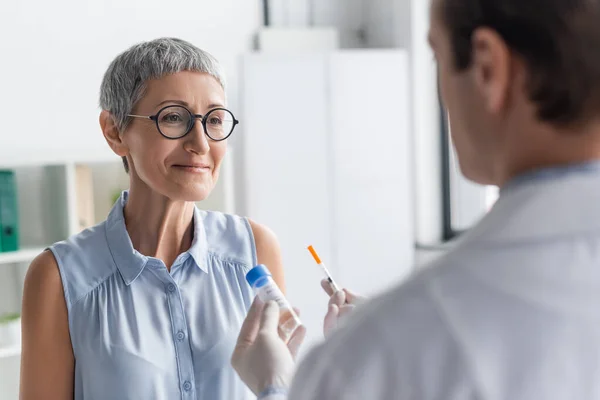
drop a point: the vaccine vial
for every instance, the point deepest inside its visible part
(266, 289)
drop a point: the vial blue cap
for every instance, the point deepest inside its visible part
(256, 273)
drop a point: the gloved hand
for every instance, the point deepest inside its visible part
(261, 358)
(341, 304)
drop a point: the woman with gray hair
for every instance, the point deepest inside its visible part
(148, 304)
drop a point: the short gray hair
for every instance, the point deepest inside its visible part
(124, 83)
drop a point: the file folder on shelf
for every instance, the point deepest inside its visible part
(9, 215)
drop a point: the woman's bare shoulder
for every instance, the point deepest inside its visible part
(268, 251)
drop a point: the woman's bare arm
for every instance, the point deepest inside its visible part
(269, 252)
(47, 362)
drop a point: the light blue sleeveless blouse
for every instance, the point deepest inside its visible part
(141, 332)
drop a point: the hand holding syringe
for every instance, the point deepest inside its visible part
(341, 302)
(334, 286)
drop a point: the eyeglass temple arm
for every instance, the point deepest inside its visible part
(140, 116)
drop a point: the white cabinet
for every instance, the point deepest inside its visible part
(327, 156)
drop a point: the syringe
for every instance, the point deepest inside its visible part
(324, 268)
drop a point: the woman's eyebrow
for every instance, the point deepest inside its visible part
(184, 103)
(181, 102)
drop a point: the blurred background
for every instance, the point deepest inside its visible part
(342, 143)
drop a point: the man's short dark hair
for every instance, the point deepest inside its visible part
(559, 40)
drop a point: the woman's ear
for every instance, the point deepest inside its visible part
(111, 134)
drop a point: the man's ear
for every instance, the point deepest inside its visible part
(112, 134)
(492, 66)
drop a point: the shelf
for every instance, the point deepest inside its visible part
(13, 351)
(24, 255)
(10, 160)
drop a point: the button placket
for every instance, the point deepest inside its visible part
(182, 346)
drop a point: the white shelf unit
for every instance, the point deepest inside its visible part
(9, 352)
(47, 195)
(20, 256)
(10, 360)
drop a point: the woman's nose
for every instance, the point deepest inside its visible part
(196, 140)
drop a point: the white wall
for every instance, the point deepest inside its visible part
(54, 54)
(345, 15)
(361, 23)
(469, 201)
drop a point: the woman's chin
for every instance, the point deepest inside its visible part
(195, 193)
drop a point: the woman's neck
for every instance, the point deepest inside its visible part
(158, 226)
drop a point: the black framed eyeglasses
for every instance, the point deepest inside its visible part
(174, 122)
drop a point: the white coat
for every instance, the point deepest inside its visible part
(511, 313)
